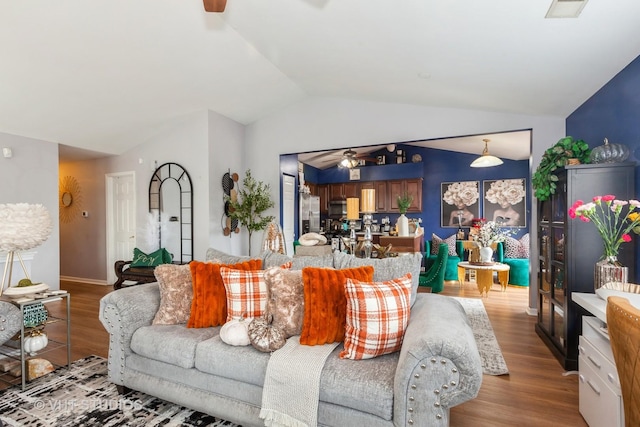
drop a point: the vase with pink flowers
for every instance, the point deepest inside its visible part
(615, 220)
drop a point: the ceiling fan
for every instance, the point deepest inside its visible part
(351, 159)
(214, 5)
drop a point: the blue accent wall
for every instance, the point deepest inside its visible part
(613, 112)
(437, 166)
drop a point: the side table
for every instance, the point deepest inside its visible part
(55, 342)
(484, 275)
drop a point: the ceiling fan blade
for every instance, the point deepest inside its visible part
(214, 5)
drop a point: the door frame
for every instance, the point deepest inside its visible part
(288, 239)
(110, 229)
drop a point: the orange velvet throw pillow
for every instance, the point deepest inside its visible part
(209, 306)
(325, 302)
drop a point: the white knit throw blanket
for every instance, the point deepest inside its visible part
(292, 384)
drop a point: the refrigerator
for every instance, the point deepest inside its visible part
(309, 214)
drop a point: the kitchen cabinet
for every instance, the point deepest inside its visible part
(569, 249)
(396, 188)
(341, 191)
(323, 191)
(386, 193)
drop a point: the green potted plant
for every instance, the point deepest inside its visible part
(545, 177)
(404, 201)
(253, 199)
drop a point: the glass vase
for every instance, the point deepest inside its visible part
(609, 269)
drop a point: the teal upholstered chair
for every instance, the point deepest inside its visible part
(434, 276)
(519, 267)
(451, 270)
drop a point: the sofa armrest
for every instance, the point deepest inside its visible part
(122, 312)
(10, 321)
(500, 252)
(439, 365)
(460, 249)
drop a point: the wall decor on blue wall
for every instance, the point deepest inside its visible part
(460, 203)
(504, 202)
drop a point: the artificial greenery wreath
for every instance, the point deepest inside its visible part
(544, 178)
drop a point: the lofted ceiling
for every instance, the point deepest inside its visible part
(514, 145)
(106, 75)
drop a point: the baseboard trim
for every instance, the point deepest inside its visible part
(84, 280)
(531, 311)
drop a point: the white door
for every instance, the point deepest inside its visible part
(288, 210)
(121, 219)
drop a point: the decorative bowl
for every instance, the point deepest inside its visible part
(15, 292)
(623, 287)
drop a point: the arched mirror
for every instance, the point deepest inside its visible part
(171, 201)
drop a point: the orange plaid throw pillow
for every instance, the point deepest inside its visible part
(377, 316)
(246, 292)
(209, 305)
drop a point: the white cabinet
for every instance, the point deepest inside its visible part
(600, 397)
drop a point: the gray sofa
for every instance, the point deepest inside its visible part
(438, 367)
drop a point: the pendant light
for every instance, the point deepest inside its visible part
(486, 160)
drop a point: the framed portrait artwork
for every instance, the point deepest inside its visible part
(460, 203)
(505, 202)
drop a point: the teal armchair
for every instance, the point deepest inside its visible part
(434, 276)
(451, 270)
(519, 267)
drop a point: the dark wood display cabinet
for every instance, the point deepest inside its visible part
(569, 249)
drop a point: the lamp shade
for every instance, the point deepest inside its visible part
(353, 208)
(368, 204)
(23, 226)
(486, 160)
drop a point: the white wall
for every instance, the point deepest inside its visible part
(326, 123)
(31, 176)
(182, 141)
(226, 154)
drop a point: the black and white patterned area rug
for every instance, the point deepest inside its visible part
(83, 396)
(493, 362)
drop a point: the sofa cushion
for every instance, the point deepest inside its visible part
(450, 241)
(377, 316)
(176, 294)
(365, 385)
(516, 248)
(174, 344)
(244, 364)
(386, 268)
(224, 258)
(274, 259)
(209, 306)
(246, 292)
(285, 302)
(300, 262)
(325, 303)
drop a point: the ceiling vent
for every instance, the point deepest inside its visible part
(565, 8)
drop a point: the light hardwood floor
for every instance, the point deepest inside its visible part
(536, 392)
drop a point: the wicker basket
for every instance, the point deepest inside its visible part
(623, 287)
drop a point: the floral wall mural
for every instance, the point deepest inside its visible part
(504, 202)
(460, 203)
